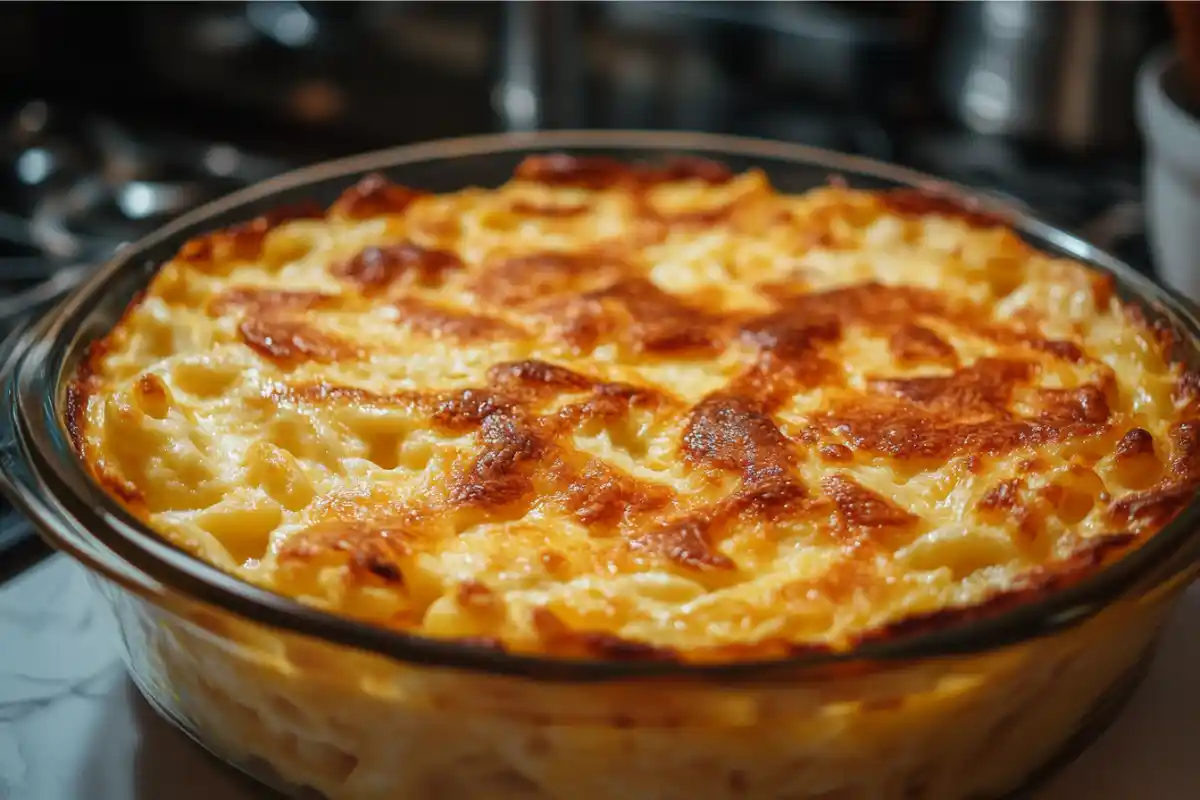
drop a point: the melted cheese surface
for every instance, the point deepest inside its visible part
(630, 412)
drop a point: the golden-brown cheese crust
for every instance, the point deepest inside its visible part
(640, 412)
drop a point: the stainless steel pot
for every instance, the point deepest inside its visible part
(1060, 74)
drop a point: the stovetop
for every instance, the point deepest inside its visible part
(78, 184)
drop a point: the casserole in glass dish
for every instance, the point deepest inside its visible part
(969, 699)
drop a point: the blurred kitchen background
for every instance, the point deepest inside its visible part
(116, 117)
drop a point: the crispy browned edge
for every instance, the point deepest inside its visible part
(83, 384)
(374, 195)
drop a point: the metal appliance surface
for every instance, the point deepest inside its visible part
(1060, 74)
(75, 188)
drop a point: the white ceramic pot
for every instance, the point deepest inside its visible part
(1172, 136)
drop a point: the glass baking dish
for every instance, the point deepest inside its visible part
(311, 702)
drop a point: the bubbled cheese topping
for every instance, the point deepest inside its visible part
(619, 411)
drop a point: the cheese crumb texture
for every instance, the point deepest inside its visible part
(640, 412)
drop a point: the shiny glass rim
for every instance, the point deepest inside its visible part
(47, 482)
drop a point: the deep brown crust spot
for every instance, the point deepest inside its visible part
(769, 493)
(289, 342)
(152, 395)
(522, 280)
(1004, 496)
(688, 168)
(468, 408)
(837, 453)
(863, 508)
(633, 311)
(78, 392)
(610, 401)
(943, 416)
(243, 242)
(1156, 506)
(1135, 442)
(870, 304)
(448, 323)
(376, 268)
(773, 378)
(87, 378)
(732, 434)
(559, 169)
(659, 322)
(918, 203)
(985, 386)
(374, 196)
(1086, 404)
(477, 596)
(914, 344)
(527, 208)
(1067, 351)
(909, 433)
(1187, 392)
(686, 542)
(536, 378)
(1185, 455)
(791, 335)
(1104, 288)
(500, 475)
(601, 496)
(255, 300)
(597, 172)
(371, 549)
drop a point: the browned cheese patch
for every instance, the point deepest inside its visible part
(373, 196)
(500, 476)
(865, 513)
(603, 497)
(376, 550)
(243, 242)
(688, 542)
(938, 417)
(535, 379)
(445, 323)
(527, 208)
(290, 342)
(257, 301)
(919, 204)
(597, 172)
(375, 269)
(522, 281)
(654, 321)
(914, 344)
(1156, 506)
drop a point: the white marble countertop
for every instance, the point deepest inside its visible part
(73, 727)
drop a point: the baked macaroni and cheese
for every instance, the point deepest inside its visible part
(619, 412)
(631, 412)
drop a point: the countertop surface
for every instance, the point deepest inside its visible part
(73, 727)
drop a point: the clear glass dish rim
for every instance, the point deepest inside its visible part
(87, 518)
